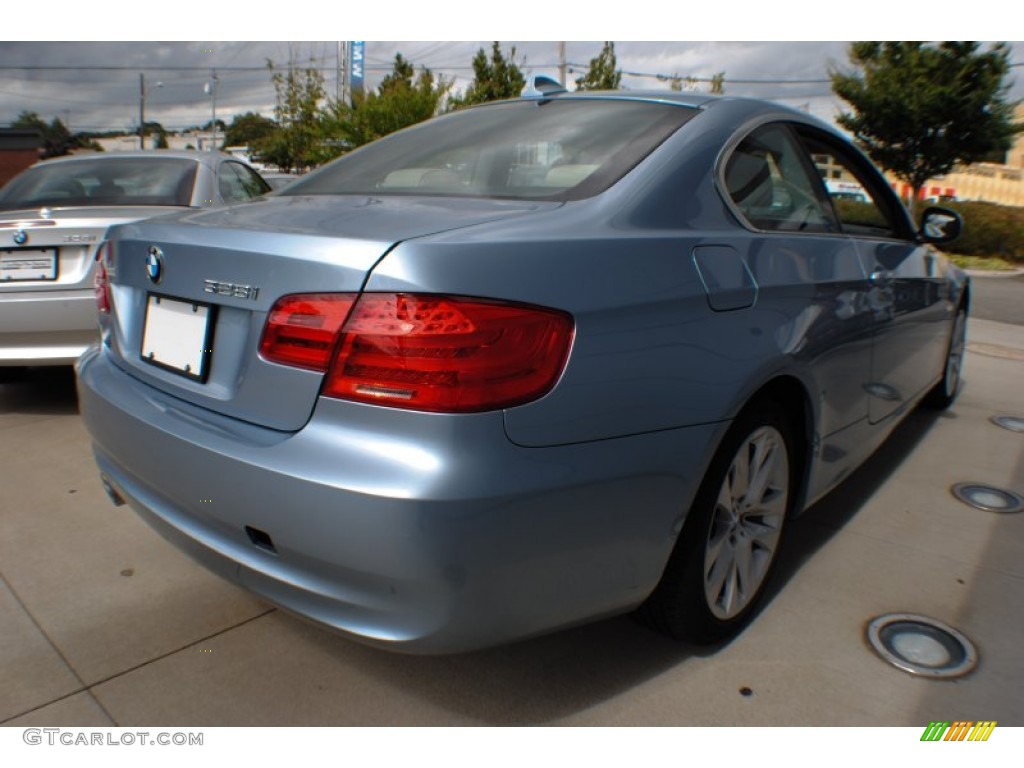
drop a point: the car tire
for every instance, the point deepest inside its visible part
(729, 544)
(945, 392)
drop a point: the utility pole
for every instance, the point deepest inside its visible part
(561, 63)
(142, 110)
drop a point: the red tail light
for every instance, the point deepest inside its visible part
(423, 352)
(101, 278)
(302, 330)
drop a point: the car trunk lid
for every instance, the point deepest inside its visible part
(220, 273)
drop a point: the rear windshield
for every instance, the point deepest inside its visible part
(103, 181)
(554, 149)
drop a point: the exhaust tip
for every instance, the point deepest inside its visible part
(114, 496)
(261, 539)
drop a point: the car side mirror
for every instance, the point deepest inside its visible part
(940, 225)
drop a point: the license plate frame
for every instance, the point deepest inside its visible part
(22, 265)
(177, 336)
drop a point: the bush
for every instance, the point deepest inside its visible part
(989, 230)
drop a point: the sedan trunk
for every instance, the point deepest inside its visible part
(190, 295)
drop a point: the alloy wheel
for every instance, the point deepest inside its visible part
(746, 523)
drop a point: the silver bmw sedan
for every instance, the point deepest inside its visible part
(54, 215)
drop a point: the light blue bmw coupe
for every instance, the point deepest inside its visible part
(521, 366)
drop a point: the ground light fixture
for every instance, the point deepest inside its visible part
(1012, 423)
(922, 646)
(988, 498)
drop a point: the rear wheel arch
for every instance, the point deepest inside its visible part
(686, 601)
(791, 395)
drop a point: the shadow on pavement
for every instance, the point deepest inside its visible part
(531, 682)
(826, 517)
(47, 391)
(551, 677)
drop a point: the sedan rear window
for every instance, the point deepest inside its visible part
(104, 182)
(551, 149)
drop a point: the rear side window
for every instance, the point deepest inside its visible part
(554, 149)
(862, 201)
(238, 183)
(773, 185)
(103, 181)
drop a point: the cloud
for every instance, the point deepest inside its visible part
(99, 90)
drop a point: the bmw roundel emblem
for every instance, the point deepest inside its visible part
(155, 264)
(20, 237)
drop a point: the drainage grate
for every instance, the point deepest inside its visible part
(1012, 423)
(987, 497)
(922, 646)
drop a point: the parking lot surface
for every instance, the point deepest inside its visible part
(103, 623)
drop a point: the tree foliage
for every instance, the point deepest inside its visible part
(715, 85)
(403, 98)
(298, 141)
(601, 73)
(57, 139)
(248, 130)
(919, 110)
(493, 79)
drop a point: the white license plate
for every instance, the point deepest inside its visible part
(178, 336)
(28, 264)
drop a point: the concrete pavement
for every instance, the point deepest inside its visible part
(103, 623)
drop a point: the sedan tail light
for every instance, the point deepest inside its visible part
(101, 277)
(302, 330)
(421, 352)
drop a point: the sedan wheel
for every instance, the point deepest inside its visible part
(946, 391)
(730, 540)
(746, 523)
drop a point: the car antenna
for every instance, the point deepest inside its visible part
(541, 87)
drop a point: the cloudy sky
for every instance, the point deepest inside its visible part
(95, 85)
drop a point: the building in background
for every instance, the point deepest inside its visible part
(201, 140)
(19, 148)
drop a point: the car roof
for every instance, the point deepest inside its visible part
(705, 102)
(683, 98)
(205, 157)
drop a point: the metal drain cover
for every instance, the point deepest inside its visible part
(987, 497)
(922, 646)
(1012, 423)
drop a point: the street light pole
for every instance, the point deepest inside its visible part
(142, 109)
(213, 91)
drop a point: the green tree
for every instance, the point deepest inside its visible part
(920, 109)
(248, 130)
(715, 85)
(601, 73)
(298, 141)
(402, 99)
(57, 139)
(493, 79)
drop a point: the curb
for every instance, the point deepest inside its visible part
(994, 273)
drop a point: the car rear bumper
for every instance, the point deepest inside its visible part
(419, 532)
(46, 327)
